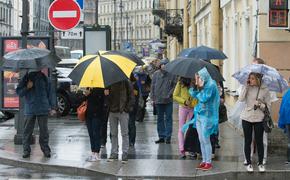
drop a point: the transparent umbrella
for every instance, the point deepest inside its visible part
(271, 77)
(34, 58)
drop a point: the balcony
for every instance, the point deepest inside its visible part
(159, 8)
(174, 23)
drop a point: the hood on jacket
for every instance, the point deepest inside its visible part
(204, 75)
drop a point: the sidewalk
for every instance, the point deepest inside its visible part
(69, 142)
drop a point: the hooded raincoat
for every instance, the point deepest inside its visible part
(284, 113)
(207, 108)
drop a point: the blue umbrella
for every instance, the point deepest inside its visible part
(202, 52)
(271, 77)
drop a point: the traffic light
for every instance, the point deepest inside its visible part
(278, 14)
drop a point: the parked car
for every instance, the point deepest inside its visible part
(68, 63)
(5, 115)
(69, 96)
(77, 54)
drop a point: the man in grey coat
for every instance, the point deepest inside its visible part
(162, 87)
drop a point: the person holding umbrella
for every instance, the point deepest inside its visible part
(35, 88)
(162, 87)
(94, 118)
(121, 102)
(186, 105)
(256, 97)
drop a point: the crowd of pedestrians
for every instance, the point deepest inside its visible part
(124, 103)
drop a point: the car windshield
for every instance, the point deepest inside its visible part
(63, 52)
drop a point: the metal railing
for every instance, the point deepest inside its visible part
(174, 17)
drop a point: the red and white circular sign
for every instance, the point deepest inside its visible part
(64, 14)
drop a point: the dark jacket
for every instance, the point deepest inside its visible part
(40, 99)
(162, 87)
(95, 106)
(121, 97)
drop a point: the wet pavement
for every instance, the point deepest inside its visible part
(70, 146)
(10, 172)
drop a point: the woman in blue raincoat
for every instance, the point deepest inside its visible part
(206, 114)
(284, 119)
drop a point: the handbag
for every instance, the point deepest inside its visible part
(191, 141)
(81, 111)
(223, 117)
(267, 121)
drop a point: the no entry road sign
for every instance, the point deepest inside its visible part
(64, 14)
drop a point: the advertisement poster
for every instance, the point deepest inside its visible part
(10, 79)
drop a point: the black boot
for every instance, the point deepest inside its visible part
(160, 140)
(26, 154)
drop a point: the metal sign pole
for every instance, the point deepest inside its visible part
(19, 120)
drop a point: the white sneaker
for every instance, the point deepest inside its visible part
(97, 156)
(245, 162)
(261, 168)
(264, 161)
(250, 168)
(92, 158)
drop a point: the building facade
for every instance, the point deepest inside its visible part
(169, 16)
(133, 20)
(16, 16)
(6, 10)
(40, 20)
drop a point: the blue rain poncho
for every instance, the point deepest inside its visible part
(207, 108)
(284, 113)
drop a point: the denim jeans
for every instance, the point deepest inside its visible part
(205, 144)
(164, 120)
(94, 128)
(43, 132)
(132, 127)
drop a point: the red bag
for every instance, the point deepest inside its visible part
(81, 111)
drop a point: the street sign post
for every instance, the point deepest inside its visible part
(64, 15)
(75, 33)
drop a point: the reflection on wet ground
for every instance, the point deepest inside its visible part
(10, 172)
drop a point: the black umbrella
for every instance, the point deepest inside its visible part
(187, 67)
(202, 52)
(126, 54)
(33, 58)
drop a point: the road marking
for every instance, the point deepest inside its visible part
(64, 14)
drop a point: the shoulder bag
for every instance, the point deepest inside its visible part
(81, 111)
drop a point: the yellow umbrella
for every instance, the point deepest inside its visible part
(101, 71)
